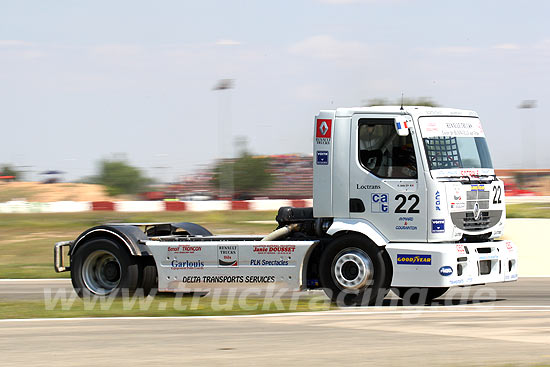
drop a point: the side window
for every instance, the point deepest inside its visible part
(384, 153)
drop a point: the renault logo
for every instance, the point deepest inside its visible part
(476, 211)
(323, 128)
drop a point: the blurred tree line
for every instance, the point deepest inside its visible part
(242, 176)
(119, 177)
(7, 170)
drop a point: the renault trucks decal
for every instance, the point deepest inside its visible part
(323, 131)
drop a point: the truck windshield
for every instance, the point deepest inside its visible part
(445, 152)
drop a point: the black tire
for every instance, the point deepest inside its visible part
(344, 271)
(103, 267)
(148, 280)
(419, 296)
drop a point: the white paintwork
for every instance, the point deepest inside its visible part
(446, 255)
(358, 226)
(193, 265)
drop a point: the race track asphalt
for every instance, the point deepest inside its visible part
(506, 324)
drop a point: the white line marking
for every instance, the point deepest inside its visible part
(35, 280)
(282, 314)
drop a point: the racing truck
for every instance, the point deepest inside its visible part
(404, 198)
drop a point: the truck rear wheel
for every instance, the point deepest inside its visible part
(148, 279)
(102, 267)
(418, 296)
(353, 272)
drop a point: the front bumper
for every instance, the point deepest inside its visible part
(59, 264)
(452, 264)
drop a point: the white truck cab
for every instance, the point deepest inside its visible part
(420, 182)
(403, 199)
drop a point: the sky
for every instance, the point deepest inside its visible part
(82, 81)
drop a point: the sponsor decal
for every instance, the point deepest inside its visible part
(228, 255)
(263, 262)
(407, 259)
(457, 199)
(194, 264)
(368, 187)
(184, 249)
(406, 186)
(274, 249)
(322, 157)
(406, 226)
(454, 126)
(489, 257)
(456, 282)
(323, 131)
(379, 203)
(445, 271)
(460, 248)
(509, 246)
(230, 279)
(458, 205)
(438, 225)
(473, 172)
(478, 187)
(437, 201)
(191, 279)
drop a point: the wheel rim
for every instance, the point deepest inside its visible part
(101, 272)
(352, 269)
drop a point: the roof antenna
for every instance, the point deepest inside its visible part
(401, 109)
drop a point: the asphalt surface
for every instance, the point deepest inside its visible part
(505, 324)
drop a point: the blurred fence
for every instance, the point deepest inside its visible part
(148, 206)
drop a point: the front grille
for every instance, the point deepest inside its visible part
(471, 223)
(466, 221)
(481, 197)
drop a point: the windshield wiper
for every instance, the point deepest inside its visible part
(456, 178)
(470, 179)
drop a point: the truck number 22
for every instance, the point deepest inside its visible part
(412, 208)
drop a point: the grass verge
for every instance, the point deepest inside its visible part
(528, 210)
(161, 305)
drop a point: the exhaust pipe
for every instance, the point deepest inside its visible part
(281, 232)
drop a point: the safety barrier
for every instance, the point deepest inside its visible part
(148, 206)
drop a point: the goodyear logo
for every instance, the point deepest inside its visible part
(406, 259)
(478, 187)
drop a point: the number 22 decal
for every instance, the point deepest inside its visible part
(498, 194)
(412, 208)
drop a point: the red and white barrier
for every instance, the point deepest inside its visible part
(148, 206)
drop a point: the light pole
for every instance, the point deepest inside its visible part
(226, 171)
(529, 129)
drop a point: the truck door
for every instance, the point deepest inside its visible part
(386, 187)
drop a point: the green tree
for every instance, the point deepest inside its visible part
(420, 101)
(121, 178)
(8, 170)
(249, 174)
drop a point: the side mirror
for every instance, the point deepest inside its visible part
(402, 125)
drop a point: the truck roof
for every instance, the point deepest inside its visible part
(414, 111)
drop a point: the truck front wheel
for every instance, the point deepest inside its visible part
(353, 271)
(102, 267)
